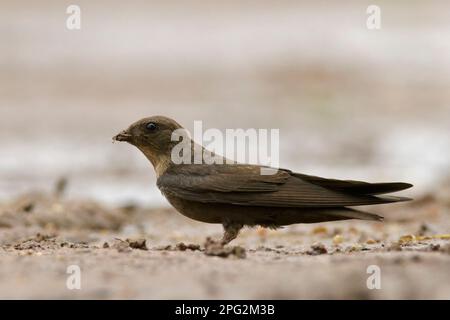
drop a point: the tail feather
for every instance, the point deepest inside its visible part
(355, 187)
(349, 213)
(390, 199)
(380, 188)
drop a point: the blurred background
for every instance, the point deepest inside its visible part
(349, 102)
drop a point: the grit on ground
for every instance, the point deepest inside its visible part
(133, 252)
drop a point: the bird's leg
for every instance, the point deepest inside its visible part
(231, 230)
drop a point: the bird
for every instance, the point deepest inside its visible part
(237, 194)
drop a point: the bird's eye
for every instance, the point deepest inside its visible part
(151, 126)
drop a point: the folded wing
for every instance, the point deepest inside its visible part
(354, 187)
(244, 185)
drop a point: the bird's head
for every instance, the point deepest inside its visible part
(153, 136)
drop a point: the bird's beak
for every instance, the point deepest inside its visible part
(123, 136)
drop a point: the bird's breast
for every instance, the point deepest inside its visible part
(203, 212)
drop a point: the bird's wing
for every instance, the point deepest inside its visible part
(221, 178)
(354, 187)
(244, 185)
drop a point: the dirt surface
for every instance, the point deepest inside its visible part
(350, 103)
(133, 253)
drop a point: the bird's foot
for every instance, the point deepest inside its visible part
(231, 231)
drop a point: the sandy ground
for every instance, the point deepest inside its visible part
(41, 235)
(350, 103)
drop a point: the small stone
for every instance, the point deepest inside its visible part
(28, 207)
(216, 248)
(320, 230)
(121, 246)
(239, 252)
(338, 239)
(317, 249)
(181, 246)
(355, 248)
(395, 246)
(193, 247)
(435, 247)
(407, 238)
(137, 244)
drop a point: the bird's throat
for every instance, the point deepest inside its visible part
(161, 165)
(160, 161)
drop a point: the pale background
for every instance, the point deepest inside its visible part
(349, 102)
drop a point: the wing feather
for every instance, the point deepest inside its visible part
(244, 185)
(356, 187)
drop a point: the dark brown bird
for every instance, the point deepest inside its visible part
(237, 195)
